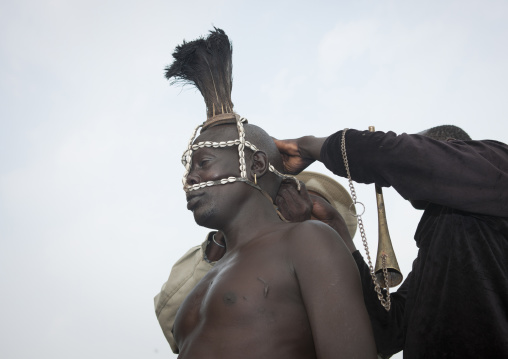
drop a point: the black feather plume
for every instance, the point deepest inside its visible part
(207, 64)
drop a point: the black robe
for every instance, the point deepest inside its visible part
(454, 303)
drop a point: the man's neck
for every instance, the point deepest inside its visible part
(256, 219)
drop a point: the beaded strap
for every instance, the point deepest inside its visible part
(241, 143)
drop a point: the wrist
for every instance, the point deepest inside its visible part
(310, 147)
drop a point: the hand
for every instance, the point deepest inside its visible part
(324, 212)
(298, 154)
(294, 206)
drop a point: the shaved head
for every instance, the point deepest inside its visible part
(256, 136)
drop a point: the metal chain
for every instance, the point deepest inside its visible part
(386, 303)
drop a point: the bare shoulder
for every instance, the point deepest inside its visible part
(313, 226)
(316, 232)
(311, 240)
(329, 283)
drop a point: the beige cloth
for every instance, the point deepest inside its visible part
(184, 276)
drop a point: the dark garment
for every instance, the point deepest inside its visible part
(454, 303)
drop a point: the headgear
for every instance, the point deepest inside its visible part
(207, 64)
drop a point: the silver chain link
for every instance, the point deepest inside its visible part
(386, 303)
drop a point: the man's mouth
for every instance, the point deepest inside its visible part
(193, 199)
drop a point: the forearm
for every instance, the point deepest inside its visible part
(310, 147)
(470, 176)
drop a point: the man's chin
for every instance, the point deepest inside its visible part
(204, 217)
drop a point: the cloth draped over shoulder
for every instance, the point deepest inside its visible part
(454, 303)
(184, 276)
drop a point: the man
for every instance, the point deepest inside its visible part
(271, 295)
(294, 205)
(454, 303)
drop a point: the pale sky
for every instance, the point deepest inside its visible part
(92, 213)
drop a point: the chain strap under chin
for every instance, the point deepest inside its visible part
(386, 303)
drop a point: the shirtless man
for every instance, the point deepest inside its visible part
(282, 290)
(320, 198)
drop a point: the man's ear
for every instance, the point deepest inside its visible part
(259, 164)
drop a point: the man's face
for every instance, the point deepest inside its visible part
(210, 204)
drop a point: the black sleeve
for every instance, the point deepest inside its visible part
(467, 175)
(388, 326)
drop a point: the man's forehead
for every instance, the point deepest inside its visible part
(219, 133)
(215, 152)
(216, 141)
(205, 150)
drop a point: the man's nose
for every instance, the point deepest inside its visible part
(193, 178)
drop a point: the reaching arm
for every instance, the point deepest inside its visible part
(332, 293)
(470, 176)
(466, 175)
(298, 154)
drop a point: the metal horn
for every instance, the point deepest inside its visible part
(387, 269)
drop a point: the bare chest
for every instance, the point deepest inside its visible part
(240, 293)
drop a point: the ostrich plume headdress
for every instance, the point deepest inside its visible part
(207, 64)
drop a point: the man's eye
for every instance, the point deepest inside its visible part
(203, 162)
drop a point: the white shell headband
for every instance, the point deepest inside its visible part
(241, 143)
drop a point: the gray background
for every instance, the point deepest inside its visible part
(92, 214)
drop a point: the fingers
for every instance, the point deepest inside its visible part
(289, 150)
(295, 206)
(289, 147)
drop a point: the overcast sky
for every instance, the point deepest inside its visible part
(92, 213)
